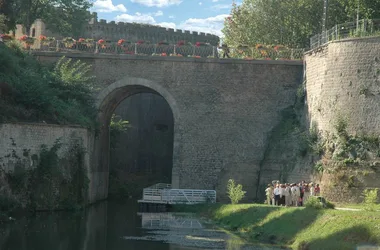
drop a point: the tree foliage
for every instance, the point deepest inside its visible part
(3, 26)
(65, 17)
(37, 93)
(289, 22)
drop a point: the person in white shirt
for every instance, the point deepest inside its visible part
(276, 193)
(295, 194)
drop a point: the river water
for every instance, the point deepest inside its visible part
(115, 226)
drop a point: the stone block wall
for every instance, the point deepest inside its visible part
(20, 145)
(135, 31)
(129, 31)
(343, 80)
(224, 110)
(343, 84)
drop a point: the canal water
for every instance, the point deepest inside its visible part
(115, 226)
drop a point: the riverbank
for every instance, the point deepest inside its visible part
(298, 228)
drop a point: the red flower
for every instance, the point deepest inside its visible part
(140, 42)
(120, 42)
(23, 38)
(6, 36)
(181, 43)
(101, 41)
(163, 54)
(198, 44)
(81, 40)
(197, 56)
(42, 38)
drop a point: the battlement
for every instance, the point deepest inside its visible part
(101, 29)
(137, 31)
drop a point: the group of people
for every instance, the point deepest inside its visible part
(290, 194)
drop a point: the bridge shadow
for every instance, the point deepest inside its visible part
(345, 239)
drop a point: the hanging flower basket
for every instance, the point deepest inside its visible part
(27, 40)
(120, 42)
(69, 42)
(163, 43)
(181, 43)
(201, 44)
(102, 43)
(46, 40)
(6, 37)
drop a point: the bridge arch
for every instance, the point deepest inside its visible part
(107, 101)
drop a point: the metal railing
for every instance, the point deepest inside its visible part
(168, 221)
(160, 193)
(203, 51)
(363, 28)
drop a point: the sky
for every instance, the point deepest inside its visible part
(194, 15)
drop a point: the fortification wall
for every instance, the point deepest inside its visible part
(343, 80)
(343, 85)
(129, 31)
(20, 146)
(151, 33)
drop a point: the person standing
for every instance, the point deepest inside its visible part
(311, 188)
(317, 190)
(306, 193)
(287, 195)
(276, 193)
(295, 194)
(282, 194)
(269, 194)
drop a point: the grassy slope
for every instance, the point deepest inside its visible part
(300, 228)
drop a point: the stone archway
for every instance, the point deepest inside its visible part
(107, 101)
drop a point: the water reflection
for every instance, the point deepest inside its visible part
(114, 226)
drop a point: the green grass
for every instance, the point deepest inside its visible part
(298, 228)
(356, 206)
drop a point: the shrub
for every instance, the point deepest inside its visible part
(313, 202)
(235, 192)
(62, 95)
(370, 199)
(318, 202)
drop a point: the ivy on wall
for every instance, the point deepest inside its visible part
(57, 180)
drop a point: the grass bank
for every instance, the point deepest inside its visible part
(298, 228)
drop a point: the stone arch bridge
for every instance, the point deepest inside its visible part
(224, 111)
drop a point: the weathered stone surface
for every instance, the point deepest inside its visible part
(343, 80)
(223, 110)
(343, 83)
(20, 145)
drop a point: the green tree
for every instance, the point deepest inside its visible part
(66, 17)
(288, 22)
(3, 26)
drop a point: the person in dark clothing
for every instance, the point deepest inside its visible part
(226, 51)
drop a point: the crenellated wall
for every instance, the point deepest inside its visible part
(146, 32)
(129, 31)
